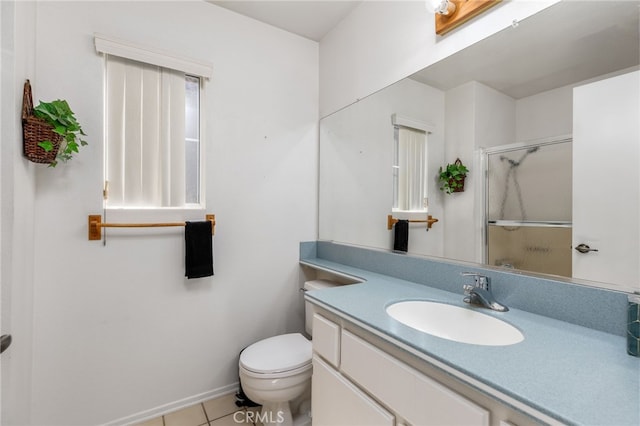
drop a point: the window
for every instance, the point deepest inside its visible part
(410, 185)
(152, 126)
(192, 140)
(152, 135)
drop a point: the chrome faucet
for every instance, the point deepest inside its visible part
(480, 294)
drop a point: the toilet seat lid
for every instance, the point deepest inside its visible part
(277, 354)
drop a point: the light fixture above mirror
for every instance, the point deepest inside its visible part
(450, 14)
(441, 7)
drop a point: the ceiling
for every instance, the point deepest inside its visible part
(307, 18)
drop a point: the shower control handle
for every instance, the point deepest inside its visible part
(583, 248)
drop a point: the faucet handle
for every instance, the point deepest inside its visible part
(479, 280)
(467, 289)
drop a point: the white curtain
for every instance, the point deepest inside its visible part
(412, 163)
(145, 136)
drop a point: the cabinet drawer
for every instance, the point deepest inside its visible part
(414, 396)
(326, 339)
(336, 402)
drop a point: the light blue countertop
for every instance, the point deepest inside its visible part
(571, 373)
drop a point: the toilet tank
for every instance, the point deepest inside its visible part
(308, 307)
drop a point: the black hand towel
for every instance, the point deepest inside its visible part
(401, 235)
(198, 249)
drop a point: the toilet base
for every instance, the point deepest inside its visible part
(288, 413)
(279, 414)
(303, 417)
(276, 414)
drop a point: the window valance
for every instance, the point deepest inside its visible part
(128, 50)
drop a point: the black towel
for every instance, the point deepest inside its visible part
(198, 249)
(401, 235)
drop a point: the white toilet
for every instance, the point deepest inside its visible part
(276, 372)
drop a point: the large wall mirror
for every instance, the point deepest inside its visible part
(545, 116)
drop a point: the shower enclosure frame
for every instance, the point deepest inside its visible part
(484, 154)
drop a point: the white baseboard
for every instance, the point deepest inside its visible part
(173, 406)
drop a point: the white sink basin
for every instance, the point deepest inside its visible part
(455, 323)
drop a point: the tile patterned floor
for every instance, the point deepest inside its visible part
(215, 412)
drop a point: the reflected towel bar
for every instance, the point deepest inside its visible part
(96, 225)
(430, 221)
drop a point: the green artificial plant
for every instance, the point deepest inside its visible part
(452, 177)
(59, 115)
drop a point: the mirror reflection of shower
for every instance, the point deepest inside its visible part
(528, 206)
(511, 181)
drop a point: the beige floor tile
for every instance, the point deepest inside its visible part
(220, 407)
(190, 416)
(256, 411)
(153, 422)
(238, 419)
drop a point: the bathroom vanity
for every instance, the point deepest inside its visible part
(361, 379)
(371, 369)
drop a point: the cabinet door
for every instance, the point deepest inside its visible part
(408, 392)
(337, 402)
(435, 404)
(326, 339)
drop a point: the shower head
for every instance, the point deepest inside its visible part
(513, 163)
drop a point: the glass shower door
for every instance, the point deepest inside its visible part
(528, 207)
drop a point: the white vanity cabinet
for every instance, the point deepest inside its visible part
(336, 401)
(357, 383)
(417, 398)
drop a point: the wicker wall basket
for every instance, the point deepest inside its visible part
(36, 130)
(460, 187)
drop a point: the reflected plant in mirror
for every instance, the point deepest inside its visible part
(452, 177)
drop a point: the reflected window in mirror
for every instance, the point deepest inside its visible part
(410, 170)
(410, 166)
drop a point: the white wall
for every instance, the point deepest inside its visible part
(477, 116)
(550, 113)
(356, 181)
(17, 188)
(118, 329)
(381, 42)
(544, 115)
(460, 119)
